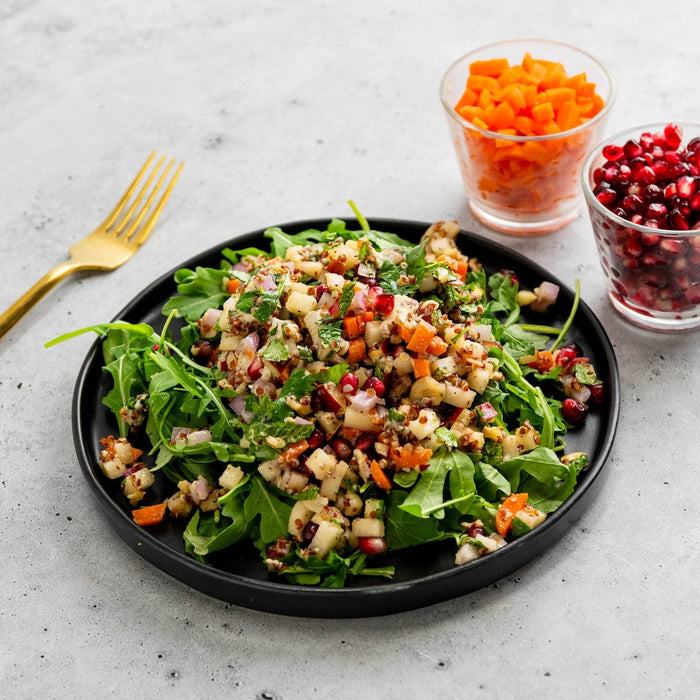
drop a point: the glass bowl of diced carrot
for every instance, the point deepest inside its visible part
(523, 115)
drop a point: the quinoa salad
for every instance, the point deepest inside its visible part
(343, 395)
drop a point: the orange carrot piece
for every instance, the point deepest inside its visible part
(477, 83)
(493, 67)
(232, 285)
(410, 456)
(422, 336)
(484, 99)
(293, 451)
(379, 477)
(503, 116)
(357, 350)
(510, 506)
(421, 367)
(405, 333)
(543, 112)
(468, 99)
(437, 346)
(149, 515)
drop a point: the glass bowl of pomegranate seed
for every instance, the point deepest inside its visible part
(523, 115)
(642, 187)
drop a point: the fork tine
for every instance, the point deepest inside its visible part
(138, 237)
(109, 221)
(119, 226)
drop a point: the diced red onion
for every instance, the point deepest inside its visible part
(268, 283)
(179, 434)
(359, 301)
(364, 401)
(197, 437)
(578, 392)
(547, 294)
(208, 321)
(261, 386)
(199, 490)
(238, 407)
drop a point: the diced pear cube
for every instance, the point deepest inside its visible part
(300, 304)
(231, 477)
(426, 423)
(326, 538)
(332, 483)
(478, 379)
(321, 463)
(299, 517)
(367, 527)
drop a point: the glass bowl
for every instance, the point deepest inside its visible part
(653, 274)
(524, 184)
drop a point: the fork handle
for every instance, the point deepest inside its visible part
(32, 295)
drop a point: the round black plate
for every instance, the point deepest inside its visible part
(424, 575)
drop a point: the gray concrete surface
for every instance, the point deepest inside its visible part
(284, 111)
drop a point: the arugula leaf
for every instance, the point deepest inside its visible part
(210, 532)
(406, 530)
(281, 240)
(547, 481)
(274, 513)
(200, 289)
(427, 495)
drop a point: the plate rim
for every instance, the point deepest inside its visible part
(373, 599)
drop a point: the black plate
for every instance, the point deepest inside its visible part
(424, 575)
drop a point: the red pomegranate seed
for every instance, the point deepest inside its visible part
(678, 221)
(316, 439)
(692, 294)
(371, 545)
(365, 442)
(633, 149)
(656, 210)
(574, 411)
(321, 290)
(612, 152)
(673, 135)
(341, 447)
(673, 246)
(685, 186)
(607, 197)
(376, 384)
(255, 368)
(349, 383)
(384, 304)
(598, 393)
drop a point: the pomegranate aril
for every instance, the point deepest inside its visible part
(613, 152)
(307, 534)
(384, 304)
(652, 193)
(673, 246)
(573, 411)
(371, 545)
(633, 149)
(316, 439)
(606, 196)
(632, 203)
(376, 384)
(598, 393)
(686, 186)
(673, 134)
(678, 221)
(341, 447)
(656, 210)
(349, 383)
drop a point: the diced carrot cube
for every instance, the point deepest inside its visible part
(492, 67)
(543, 112)
(503, 115)
(477, 83)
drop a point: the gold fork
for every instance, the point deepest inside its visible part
(111, 244)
